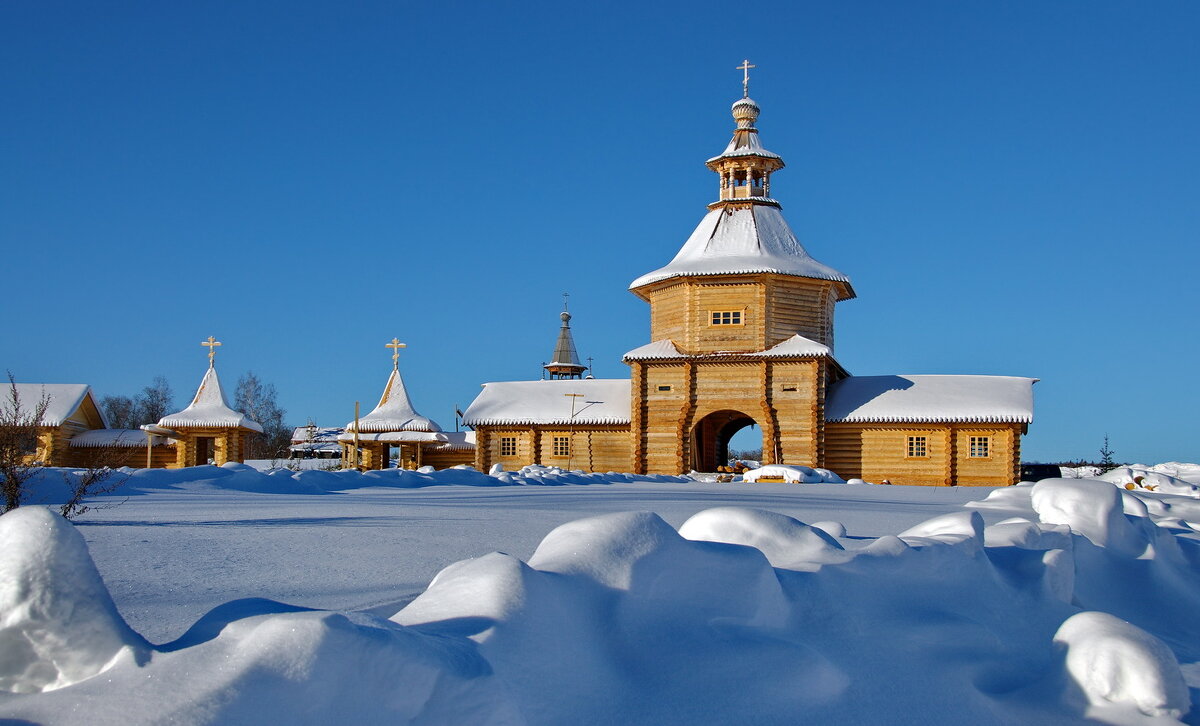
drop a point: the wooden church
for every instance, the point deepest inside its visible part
(742, 333)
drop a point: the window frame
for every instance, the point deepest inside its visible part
(560, 447)
(917, 447)
(505, 443)
(976, 444)
(736, 318)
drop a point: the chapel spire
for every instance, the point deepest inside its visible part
(565, 361)
(745, 167)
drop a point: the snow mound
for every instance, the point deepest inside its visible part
(1090, 507)
(1147, 479)
(793, 474)
(58, 624)
(787, 543)
(1114, 662)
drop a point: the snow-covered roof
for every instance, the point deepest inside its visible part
(209, 409)
(64, 398)
(881, 399)
(603, 401)
(395, 411)
(746, 240)
(398, 437)
(97, 438)
(301, 434)
(796, 346)
(459, 440)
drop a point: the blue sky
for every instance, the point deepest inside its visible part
(1012, 188)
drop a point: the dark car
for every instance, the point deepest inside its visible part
(1037, 472)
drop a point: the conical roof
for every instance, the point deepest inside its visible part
(564, 349)
(209, 409)
(395, 411)
(750, 239)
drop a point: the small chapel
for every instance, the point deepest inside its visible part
(742, 333)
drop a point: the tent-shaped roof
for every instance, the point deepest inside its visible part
(209, 409)
(744, 240)
(603, 401)
(895, 399)
(395, 411)
(63, 400)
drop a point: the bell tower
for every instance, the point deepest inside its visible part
(741, 324)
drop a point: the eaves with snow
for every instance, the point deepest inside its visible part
(931, 398)
(209, 409)
(62, 400)
(748, 240)
(595, 401)
(395, 412)
(796, 346)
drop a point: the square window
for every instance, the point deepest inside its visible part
(981, 447)
(561, 446)
(508, 445)
(917, 446)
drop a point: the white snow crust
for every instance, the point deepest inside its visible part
(796, 346)
(1071, 601)
(742, 241)
(604, 401)
(208, 408)
(395, 411)
(931, 398)
(62, 399)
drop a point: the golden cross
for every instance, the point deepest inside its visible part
(212, 344)
(395, 345)
(745, 69)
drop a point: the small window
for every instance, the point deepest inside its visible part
(664, 388)
(562, 446)
(981, 447)
(789, 388)
(508, 445)
(727, 317)
(917, 446)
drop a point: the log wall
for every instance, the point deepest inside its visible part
(875, 452)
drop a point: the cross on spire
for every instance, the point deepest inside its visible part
(395, 345)
(212, 344)
(745, 69)
(565, 296)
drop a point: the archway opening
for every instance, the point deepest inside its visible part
(711, 437)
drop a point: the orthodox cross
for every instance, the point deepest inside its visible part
(565, 296)
(745, 69)
(212, 344)
(589, 363)
(395, 345)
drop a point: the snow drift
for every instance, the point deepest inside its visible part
(1077, 606)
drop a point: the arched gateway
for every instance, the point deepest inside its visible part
(711, 436)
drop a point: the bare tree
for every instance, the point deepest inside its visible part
(19, 430)
(155, 401)
(120, 412)
(98, 475)
(147, 407)
(258, 401)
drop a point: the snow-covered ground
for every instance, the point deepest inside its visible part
(307, 598)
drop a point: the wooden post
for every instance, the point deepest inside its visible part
(149, 450)
(357, 453)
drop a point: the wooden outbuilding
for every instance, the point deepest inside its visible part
(368, 441)
(208, 431)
